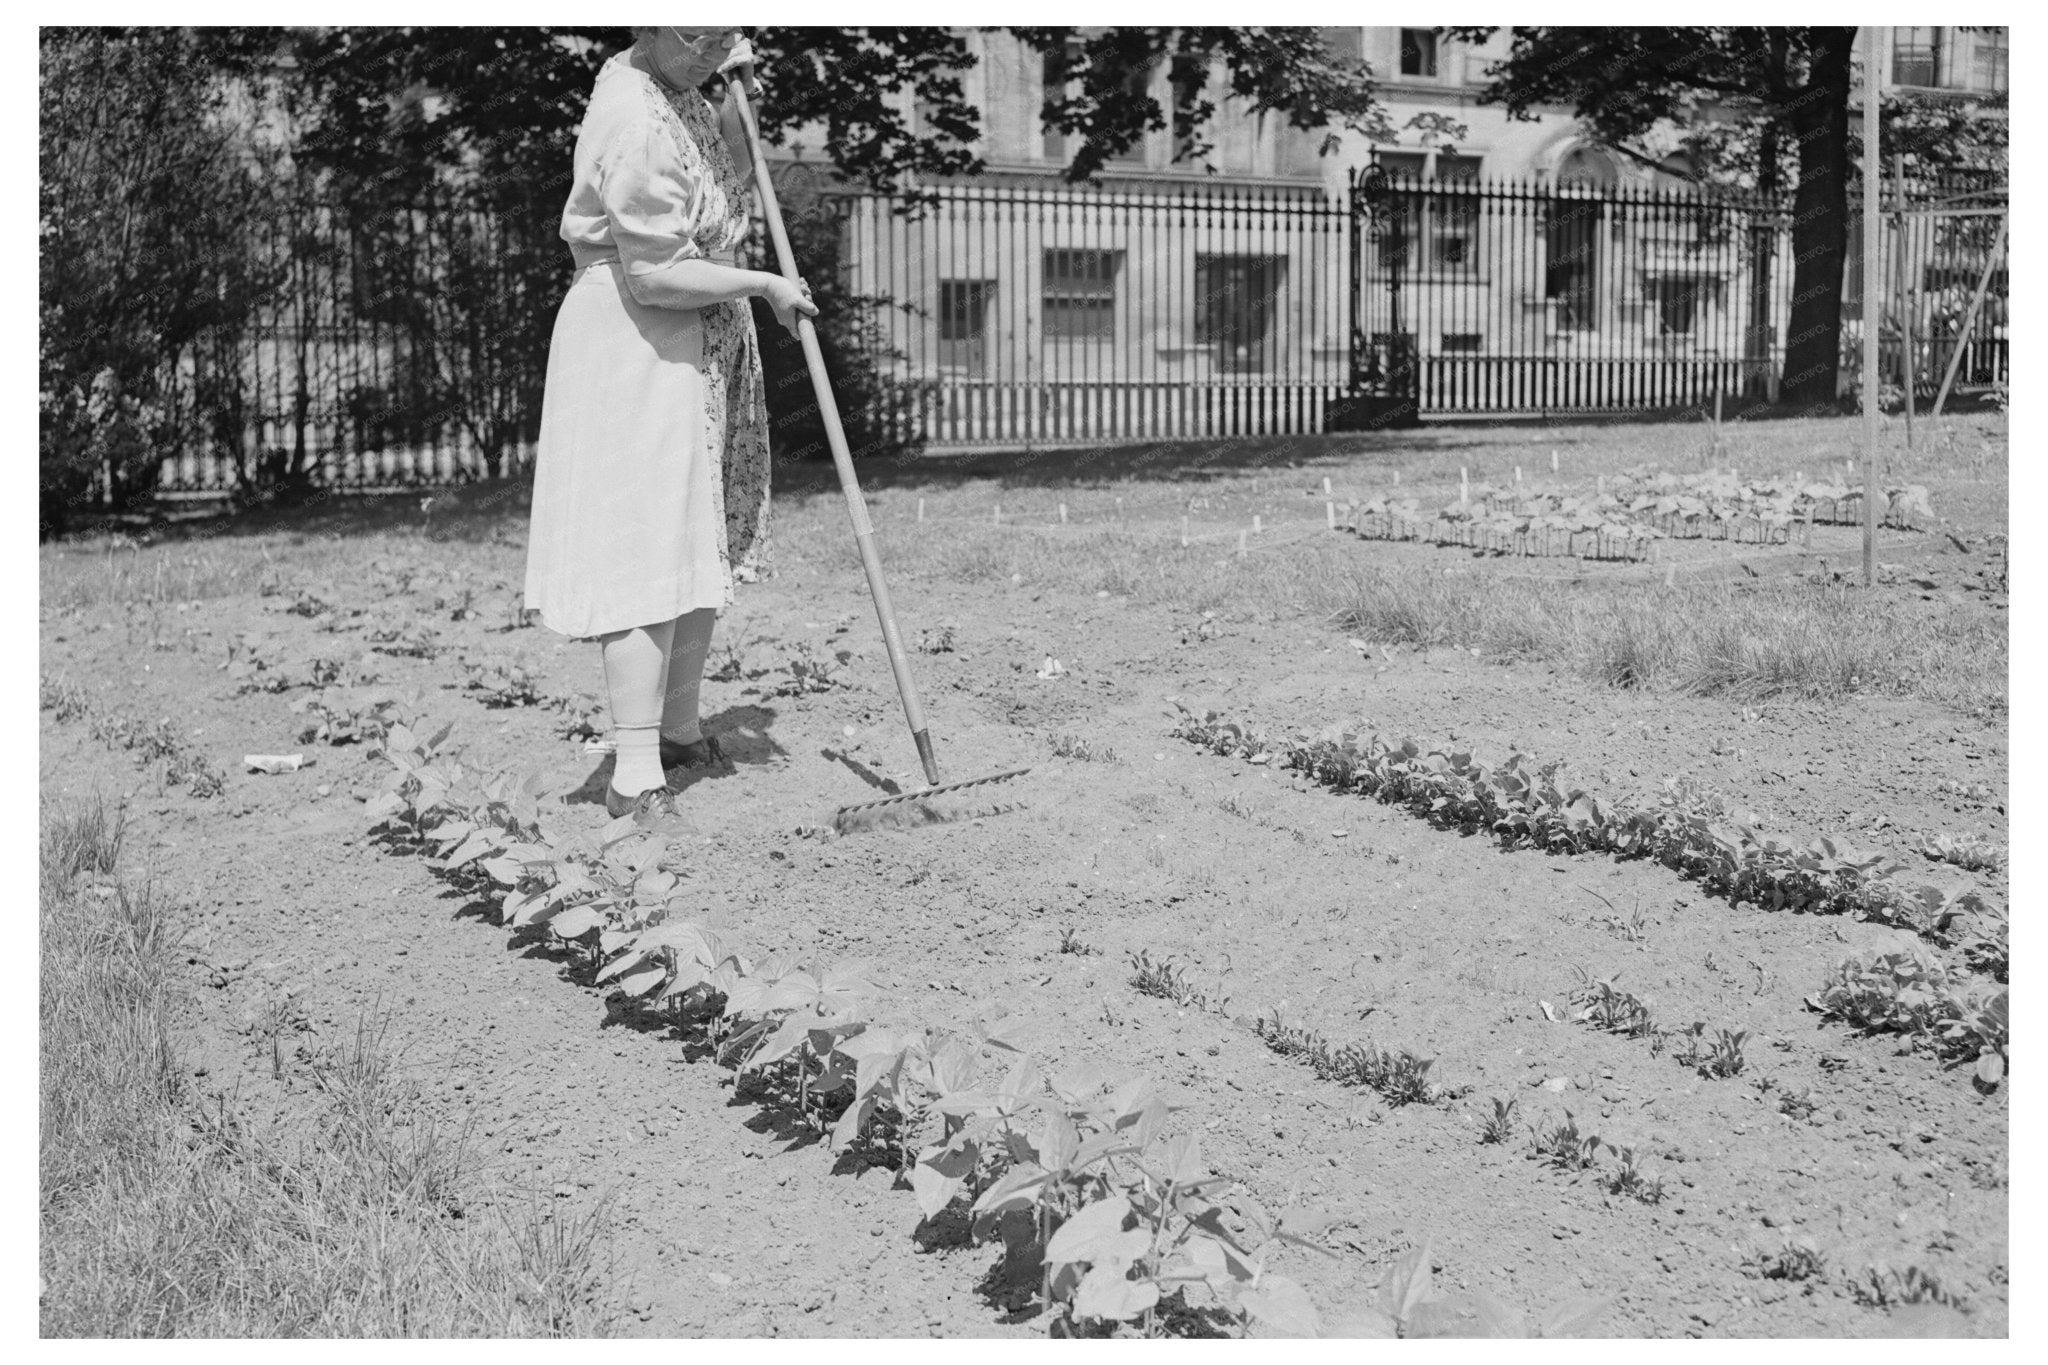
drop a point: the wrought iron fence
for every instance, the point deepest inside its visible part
(408, 347)
(1941, 245)
(1044, 316)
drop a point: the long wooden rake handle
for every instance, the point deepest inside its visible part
(835, 436)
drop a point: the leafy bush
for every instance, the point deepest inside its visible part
(874, 409)
(145, 202)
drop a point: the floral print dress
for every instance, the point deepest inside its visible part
(651, 480)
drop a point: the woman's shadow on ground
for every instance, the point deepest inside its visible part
(741, 731)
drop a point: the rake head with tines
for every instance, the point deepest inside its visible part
(915, 808)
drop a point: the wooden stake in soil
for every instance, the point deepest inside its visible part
(1872, 45)
(1900, 296)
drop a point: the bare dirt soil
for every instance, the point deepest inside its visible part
(1336, 913)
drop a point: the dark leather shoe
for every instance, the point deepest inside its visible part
(655, 803)
(703, 754)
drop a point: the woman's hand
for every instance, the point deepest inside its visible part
(790, 301)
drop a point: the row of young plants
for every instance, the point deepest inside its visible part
(1626, 518)
(1075, 1170)
(1573, 529)
(1696, 834)
(1699, 836)
(157, 745)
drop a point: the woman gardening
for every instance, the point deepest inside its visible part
(650, 491)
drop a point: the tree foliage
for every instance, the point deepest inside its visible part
(1795, 82)
(402, 107)
(144, 198)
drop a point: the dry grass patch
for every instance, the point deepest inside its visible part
(162, 1216)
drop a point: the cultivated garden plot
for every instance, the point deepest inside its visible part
(1392, 938)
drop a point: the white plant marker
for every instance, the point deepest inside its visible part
(1553, 462)
(1464, 484)
(997, 517)
(1063, 514)
(1183, 530)
(1330, 515)
(920, 509)
(1240, 544)
(1326, 485)
(1256, 526)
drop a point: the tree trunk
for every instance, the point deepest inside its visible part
(1819, 117)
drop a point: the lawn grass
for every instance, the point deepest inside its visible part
(162, 1216)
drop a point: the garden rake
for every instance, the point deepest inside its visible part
(863, 814)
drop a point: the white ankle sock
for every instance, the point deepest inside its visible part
(635, 671)
(636, 766)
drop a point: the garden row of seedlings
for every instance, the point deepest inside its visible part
(1626, 522)
(1402, 1078)
(1074, 1169)
(1700, 837)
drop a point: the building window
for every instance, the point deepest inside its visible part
(1453, 214)
(1080, 294)
(1418, 52)
(1987, 61)
(1236, 300)
(1571, 262)
(1675, 303)
(1053, 75)
(1587, 167)
(1916, 56)
(1462, 343)
(1433, 221)
(964, 306)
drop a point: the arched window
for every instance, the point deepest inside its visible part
(1587, 166)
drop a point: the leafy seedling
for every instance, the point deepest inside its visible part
(1564, 1146)
(502, 686)
(1501, 1126)
(1725, 1058)
(1070, 942)
(1629, 1179)
(1799, 1258)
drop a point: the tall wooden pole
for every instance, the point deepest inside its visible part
(1872, 227)
(1899, 255)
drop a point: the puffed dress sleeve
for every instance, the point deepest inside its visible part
(655, 203)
